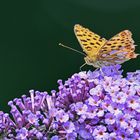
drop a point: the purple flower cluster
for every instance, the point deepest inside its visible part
(30, 117)
(98, 105)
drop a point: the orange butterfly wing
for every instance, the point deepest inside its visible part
(89, 41)
(118, 49)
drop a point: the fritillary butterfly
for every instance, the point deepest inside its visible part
(101, 52)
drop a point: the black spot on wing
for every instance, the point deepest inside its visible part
(90, 35)
(83, 40)
(79, 35)
(113, 46)
(94, 38)
(119, 46)
(91, 43)
(109, 44)
(114, 42)
(85, 44)
(98, 43)
(88, 39)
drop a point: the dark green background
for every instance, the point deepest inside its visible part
(30, 31)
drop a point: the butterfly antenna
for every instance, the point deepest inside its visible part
(82, 66)
(60, 44)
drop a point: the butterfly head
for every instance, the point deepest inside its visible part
(91, 61)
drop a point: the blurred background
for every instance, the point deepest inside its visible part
(30, 31)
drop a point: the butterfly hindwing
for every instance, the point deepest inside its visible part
(89, 41)
(118, 49)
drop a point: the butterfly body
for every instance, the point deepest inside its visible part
(100, 51)
(92, 61)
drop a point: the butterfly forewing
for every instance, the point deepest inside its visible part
(89, 41)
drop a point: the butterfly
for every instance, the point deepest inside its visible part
(101, 52)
